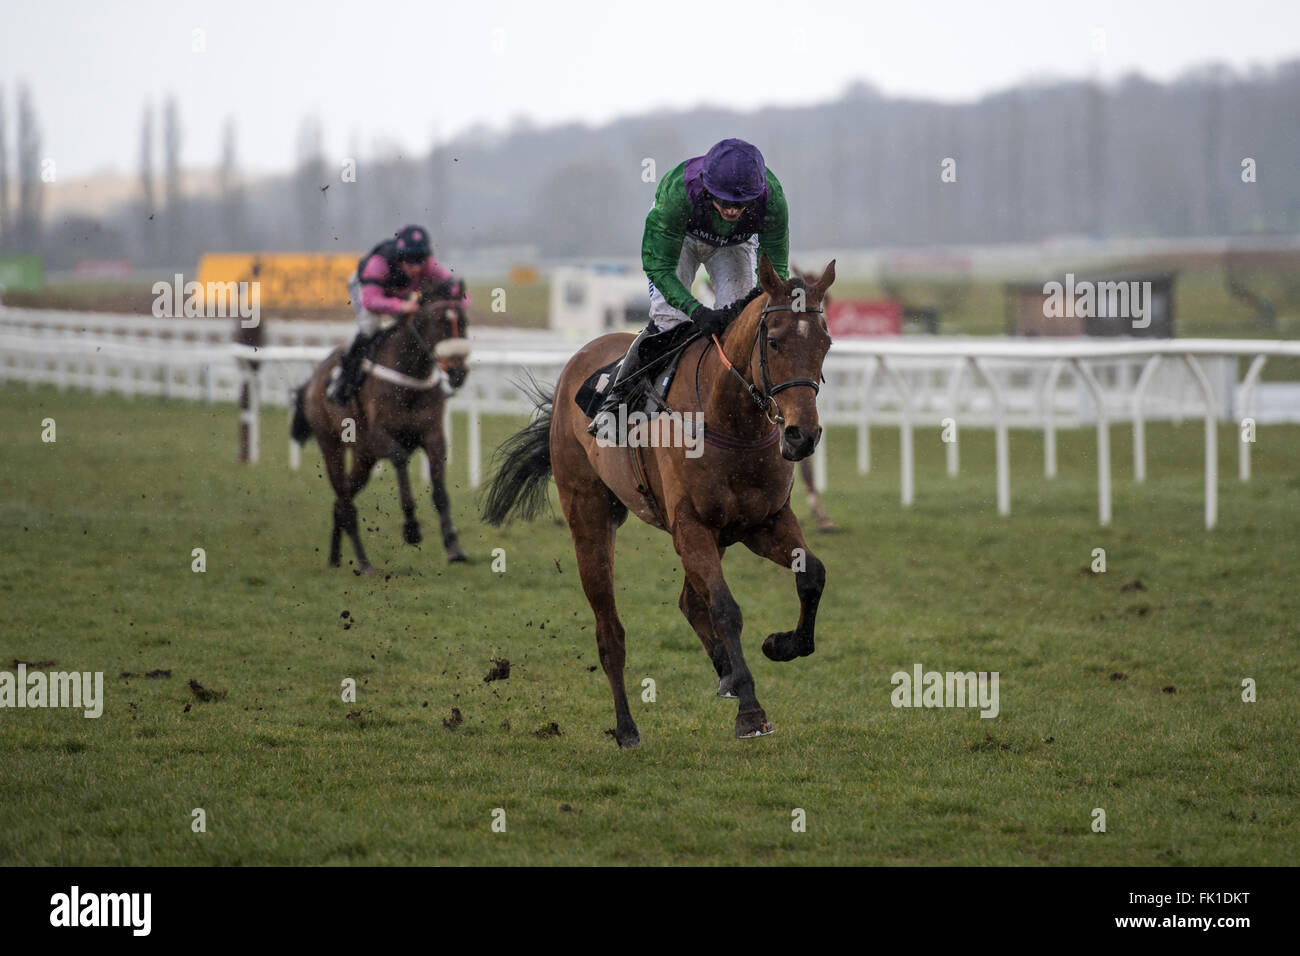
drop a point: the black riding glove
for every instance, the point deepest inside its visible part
(711, 321)
(714, 321)
(448, 290)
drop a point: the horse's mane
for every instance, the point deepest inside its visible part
(738, 340)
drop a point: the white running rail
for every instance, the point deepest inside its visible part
(998, 383)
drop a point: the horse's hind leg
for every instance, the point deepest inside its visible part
(824, 523)
(332, 453)
(592, 525)
(696, 610)
(411, 527)
(700, 554)
(781, 541)
(345, 509)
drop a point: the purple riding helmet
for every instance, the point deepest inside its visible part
(734, 171)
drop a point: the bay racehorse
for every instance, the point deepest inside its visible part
(757, 391)
(414, 367)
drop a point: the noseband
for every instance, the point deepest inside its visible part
(765, 398)
(454, 319)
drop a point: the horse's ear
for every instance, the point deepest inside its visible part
(825, 282)
(768, 280)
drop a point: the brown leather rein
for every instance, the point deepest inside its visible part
(765, 398)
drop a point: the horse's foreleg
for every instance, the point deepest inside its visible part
(781, 541)
(411, 527)
(593, 528)
(436, 449)
(696, 609)
(701, 558)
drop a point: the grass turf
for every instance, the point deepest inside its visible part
(99, 529)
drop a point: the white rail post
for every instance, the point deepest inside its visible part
(1000, 439)
(1048, 405)
(295, 450)
(956, 374)
(905, 462)
(254, 417)
(1139, 422)
(867, 380)
(245, 419)
(1211, 443)
(1247, 396)
(475, 443)
(1103, 441)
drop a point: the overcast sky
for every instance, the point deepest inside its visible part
(403, 73)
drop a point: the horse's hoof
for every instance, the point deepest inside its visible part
(782, 646)
(753, 723)
(364, 571)
(628, 741)
(455, 554)
(411, 533)
(828, 527)
(724, 688)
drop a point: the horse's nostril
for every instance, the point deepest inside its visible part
(794, 435)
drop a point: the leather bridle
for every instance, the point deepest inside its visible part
(765, 398)
(455, 329)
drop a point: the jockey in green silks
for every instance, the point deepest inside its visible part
(720, 210)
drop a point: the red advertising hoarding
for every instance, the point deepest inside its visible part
(864, 318)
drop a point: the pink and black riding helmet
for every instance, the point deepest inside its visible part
(413, 244)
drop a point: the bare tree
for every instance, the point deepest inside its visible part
(354, 196)
(30, 196)
(310, 183)
(231, 189)
(176, 226)
(148, 207)
(6, 227)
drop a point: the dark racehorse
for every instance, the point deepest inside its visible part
(757, 390)
(414, 368)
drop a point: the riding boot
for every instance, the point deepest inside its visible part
(342, 388)
(627, 370)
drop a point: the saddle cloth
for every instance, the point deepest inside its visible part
(648, 392)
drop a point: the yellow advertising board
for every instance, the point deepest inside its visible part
(295, 280)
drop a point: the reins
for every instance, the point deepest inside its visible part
(764, 399)
(423, 345)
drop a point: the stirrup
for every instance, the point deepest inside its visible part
(630, 365)
(340, 389)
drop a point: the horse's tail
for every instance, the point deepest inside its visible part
(519, 485)
(299, 429)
